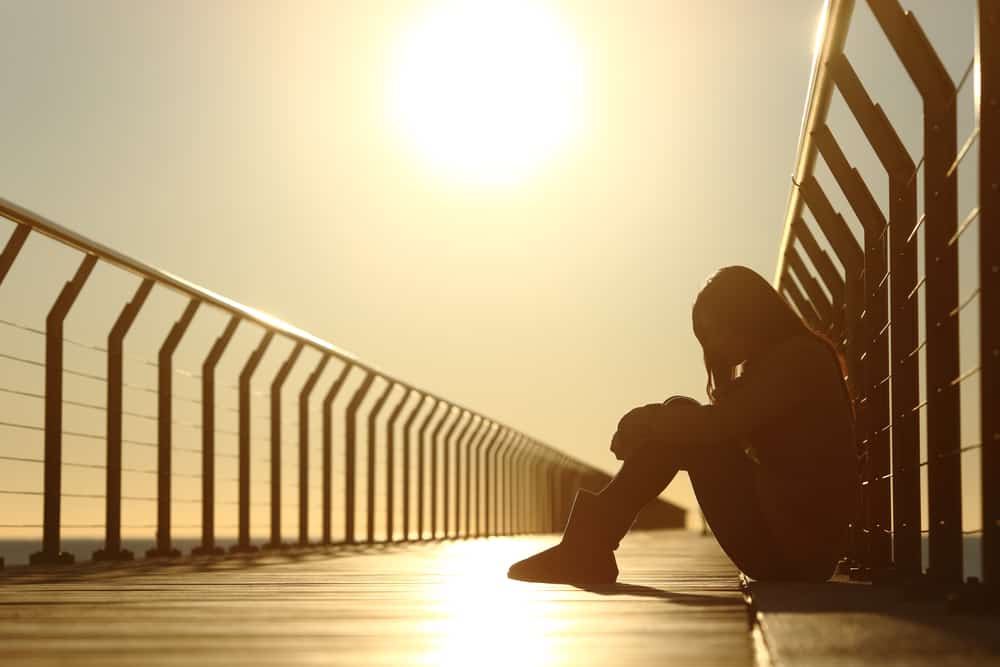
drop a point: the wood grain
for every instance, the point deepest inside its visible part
(448, 603)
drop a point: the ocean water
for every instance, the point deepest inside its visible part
(16, 552)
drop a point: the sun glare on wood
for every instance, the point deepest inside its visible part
(486, 92)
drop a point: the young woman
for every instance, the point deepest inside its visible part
(771, 456)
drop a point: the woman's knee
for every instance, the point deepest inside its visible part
(680, 400)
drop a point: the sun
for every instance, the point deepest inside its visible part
(486, 92)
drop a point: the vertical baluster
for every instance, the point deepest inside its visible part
(243, 539)
(350, 455)
(490, 435)
(51, 552)
(331, 395)
(276, 385)
(11, 249)
(944, 476)
(472, 452)
(372, 416)
(421, 454)
(406, 465)
(435, 446)
(304, 395)
(500, 482)
(390, 465)
(494, 437)
(112, 550)
(458, 469)
(164, 446)
(208, 546)
(988, 106)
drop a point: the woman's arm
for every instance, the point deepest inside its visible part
(791, 373)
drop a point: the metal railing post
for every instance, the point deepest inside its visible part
(483, 480)
(937, 90)
(496, 462)
(350, 455)
(988, 93)
(500, 488)
(276, 385)
(513, 479)
(472, 452)
(421, 459)
(243, 539)
(164, 422)
(851, 257)
(458, 473)
(51, 549)
(370, 478)
(446, 470)
(113, 474)
(406, 465)
(304, 395)
(899, 166)
(208, 546)
(504, 506)
(524, 488)
(331, 395)
(876, 371)
(390, 465)
(435, 445)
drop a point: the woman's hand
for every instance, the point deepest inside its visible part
(638, 426)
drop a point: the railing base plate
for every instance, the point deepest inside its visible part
(163, 553)
(47, 558)
(120, 555)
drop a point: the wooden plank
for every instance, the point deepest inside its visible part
(678, 602)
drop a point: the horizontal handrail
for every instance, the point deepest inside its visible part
(835, 19)
(23, 216)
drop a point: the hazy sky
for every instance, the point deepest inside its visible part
(249, 147)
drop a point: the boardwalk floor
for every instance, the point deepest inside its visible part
(445, 603)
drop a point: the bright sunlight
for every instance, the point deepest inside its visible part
(485, 92)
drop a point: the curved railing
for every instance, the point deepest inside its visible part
(892, 275)
(494, 479)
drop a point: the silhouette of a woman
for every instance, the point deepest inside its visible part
(771, 456)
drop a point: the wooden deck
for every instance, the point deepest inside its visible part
(448, 603)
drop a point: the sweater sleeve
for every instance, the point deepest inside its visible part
(791, 373)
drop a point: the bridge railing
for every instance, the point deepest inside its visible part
(898, 262)
(429, 467)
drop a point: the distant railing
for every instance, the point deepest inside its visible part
(500, 481)
(892, 299)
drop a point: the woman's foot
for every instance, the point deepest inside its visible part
(562, 564)
(586, 553)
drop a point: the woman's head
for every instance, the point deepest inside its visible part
(736, 316)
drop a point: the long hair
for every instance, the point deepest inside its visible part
(740, 300)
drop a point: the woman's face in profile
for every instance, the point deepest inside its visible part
(721, 343)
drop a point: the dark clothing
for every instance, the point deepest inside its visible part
(772, 463)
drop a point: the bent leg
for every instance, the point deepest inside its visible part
(724, 482)
(645, 474)
(725, 486)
